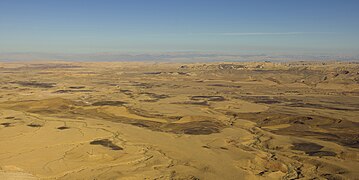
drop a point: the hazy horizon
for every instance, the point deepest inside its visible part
(174, 57)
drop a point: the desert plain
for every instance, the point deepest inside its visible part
(147, 120)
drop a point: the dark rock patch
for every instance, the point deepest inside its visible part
(312, 149)
(36, 84)
(109, 103)
(268, 101)
(34, 125)
(63, 128)
(6, 124)
(262, 173)
(77, 87)
(153, 73)
(225, 85)
(139, 124)
(156, 96)
(72, 91)
(201, 103)
(347, 139)
(306, 147)
(344, 72)
(106, 143)
(149, 100)
(125, 91)
(199, 130)
(332, 176)
(321, 153)
(195, 128)
(208, 98)
(320, 106)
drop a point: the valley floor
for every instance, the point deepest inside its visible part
(257, 120)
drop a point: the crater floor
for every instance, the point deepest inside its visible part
(257, 120)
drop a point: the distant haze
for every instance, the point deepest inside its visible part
(171, 57)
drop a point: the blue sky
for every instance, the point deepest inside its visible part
(90, 26)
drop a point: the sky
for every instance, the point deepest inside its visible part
(93, 26)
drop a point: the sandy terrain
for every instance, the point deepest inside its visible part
(258, 120)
